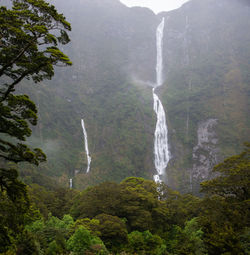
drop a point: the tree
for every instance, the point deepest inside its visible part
(135, 199)
(29, 35)
(30, 32)
(26, 245)
(187, 240)
(225, 209)
(82, 241)
(192, 243)
(113, 231)
(102, 198)
(140, 204)
(234, 180)
(12, 219)
(51, 233)
(145, 243)
(15, 114)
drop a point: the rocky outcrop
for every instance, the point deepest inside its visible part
(205, 153)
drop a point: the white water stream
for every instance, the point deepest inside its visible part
(86, 145)
(161, 150)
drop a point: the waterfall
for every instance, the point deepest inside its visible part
(86, 145)
(161, 150)
(159, 44)
(70, 183)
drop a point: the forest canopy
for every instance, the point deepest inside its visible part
(136, 216)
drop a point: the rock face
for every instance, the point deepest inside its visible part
(205, 153)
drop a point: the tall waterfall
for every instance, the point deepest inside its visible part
(161, 150)
(86, 145)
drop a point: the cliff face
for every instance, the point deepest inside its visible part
(205, 93)
(205, 153)
(113, 51)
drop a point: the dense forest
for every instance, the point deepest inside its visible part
(136, 216)
(39, 215)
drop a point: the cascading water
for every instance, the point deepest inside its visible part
(70, 183)
(161, 150)
(86, 145)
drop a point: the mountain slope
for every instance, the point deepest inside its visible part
(207, 51)
(205, 92)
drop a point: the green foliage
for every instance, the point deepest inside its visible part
(52, 233)
(188, 240)
(66, 223)
(245, 240)
(113, 231)
(173, 238)
(25, 32)
(216, 224)
(28, 30)
(36, 226)
(225, 214)
(144, 218)
(11, 185)
(57, 200)
(145, 243)
(134, 199)
(12, 218)
(15, 212)
(194, 235)
(179, 208)
(16, 113)
(234, 180)
(52, 222)
(103, 198)
(222, 225)
(26, 244)
(91, 224)
(30, 175)
(137, 204)
(140, 204)
(82, 241)
(54, 249)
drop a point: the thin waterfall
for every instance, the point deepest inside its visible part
(70, 183)
(159, 47)
(161, 150)
(86, 145)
